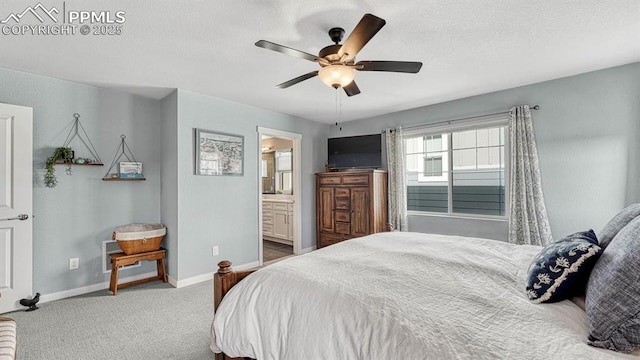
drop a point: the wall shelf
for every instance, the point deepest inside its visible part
(77, 130)
(123, 179)
(123, 150)
(74, 164)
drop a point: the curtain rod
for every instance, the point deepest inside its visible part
(534, 107)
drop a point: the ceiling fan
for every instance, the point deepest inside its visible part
(337, 62)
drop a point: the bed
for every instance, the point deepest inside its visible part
(397, 296)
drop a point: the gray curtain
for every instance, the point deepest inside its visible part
(397, 179)
(528, 221)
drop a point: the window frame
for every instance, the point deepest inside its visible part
(447, 129)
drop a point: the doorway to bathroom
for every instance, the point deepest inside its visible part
(279, 183)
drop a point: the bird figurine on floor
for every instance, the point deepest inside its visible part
(31, 303)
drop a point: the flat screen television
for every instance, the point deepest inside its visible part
(355, 152)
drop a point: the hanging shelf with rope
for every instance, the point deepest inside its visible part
(134, 172)
(77, 131)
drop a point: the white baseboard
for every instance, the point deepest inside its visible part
(91, 288)
(309, 249)
(209, 276)
(105, 285)
(173, 282)
(247, 266)
(193, 280)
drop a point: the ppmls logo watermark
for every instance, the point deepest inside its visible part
(47, 21)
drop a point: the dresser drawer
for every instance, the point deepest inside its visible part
(331, 180)
(329, 239)
(343, 228)
(362, 179)
(342, 193)
(344, 216)
(342, 203)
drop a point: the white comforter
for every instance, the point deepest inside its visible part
(400, 296)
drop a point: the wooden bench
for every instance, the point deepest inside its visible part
(121, 259)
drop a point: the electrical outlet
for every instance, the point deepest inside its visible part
(215, 251)
(74, 263)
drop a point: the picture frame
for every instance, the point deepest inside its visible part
(218, 153)
(130, 170)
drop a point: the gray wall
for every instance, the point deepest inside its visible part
(72, 219)
(587, 131)
(169, 180)
(223, 210)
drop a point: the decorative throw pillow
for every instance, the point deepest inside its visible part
(560, 271)
(613, 293)
(618, 222)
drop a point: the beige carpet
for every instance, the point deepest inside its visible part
(148, 321)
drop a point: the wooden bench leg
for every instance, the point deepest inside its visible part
(162, 275)
(113, 285)
(120, 259)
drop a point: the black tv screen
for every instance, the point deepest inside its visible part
(355, 152)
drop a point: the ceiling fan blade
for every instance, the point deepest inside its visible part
(286, 50)
(352, 89)
(394, 66)
(294, 81)
(368, 26)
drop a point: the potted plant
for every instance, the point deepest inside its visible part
(62, 153)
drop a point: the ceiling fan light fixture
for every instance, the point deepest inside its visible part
(337, 76)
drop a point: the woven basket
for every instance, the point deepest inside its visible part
(139, 238)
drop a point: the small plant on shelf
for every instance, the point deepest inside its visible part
(64, 154)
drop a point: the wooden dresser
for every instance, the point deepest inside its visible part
(350, 204)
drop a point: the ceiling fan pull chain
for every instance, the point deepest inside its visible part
(339, 102)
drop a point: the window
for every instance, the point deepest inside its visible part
(457, 172)
(283, 171)
(433, 156)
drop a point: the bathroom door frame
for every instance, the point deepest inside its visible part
(297, 188)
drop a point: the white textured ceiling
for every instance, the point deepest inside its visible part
(467, 47)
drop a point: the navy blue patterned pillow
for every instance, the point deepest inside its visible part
(561, 270)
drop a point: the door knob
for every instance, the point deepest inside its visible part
(19, 217)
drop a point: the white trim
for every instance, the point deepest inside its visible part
(209, 276)
(448, 128)
(297, 186)
(309, 249)
(91, 288)
(193, 280)
(277, 133)
(105, 285)
(450, 172)
(106, 265)
(500, 119)
(459, 216)
(260, 239)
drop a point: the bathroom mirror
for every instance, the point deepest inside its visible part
(268, 170)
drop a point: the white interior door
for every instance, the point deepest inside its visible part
(16, 204)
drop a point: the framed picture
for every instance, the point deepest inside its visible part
(218, 153)
(131, 170)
